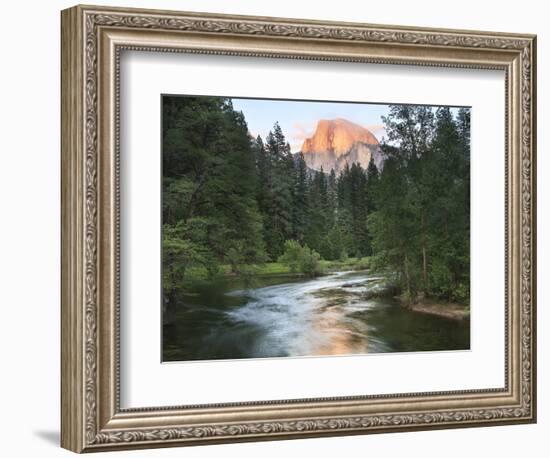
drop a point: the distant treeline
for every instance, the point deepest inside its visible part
(229, 199)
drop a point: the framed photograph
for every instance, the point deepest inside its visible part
(277, 228)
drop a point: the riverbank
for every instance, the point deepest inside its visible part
(272, 269)
(376, 286)
(449, 310)
(380, 288)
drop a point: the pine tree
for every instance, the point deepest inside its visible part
(230, 199)
(463, 127)
(263, 171)
(317, 210)
(420, 226)
(450, 205)
(370, 194)
(210, 208)
(300, 208)
(372, 179)
(278, 221)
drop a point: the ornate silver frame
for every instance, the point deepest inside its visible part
(92, 39)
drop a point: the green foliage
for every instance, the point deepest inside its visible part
(300, 199)
(277, 206)
(292, 255)
(231, 203)
(183, 246)
(309, 262)
(333, 246)
(301, 258)
(210, 211)
(420, 226)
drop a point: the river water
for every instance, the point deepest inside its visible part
(284, 316)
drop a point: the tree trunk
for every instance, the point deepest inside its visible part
(425, 269)
(408, 279)
(424, 255)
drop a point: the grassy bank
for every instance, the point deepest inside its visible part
(276, 268)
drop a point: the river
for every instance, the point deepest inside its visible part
(285, 316)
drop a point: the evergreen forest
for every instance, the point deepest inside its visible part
(233, 204)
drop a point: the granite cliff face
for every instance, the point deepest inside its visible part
(338, 142)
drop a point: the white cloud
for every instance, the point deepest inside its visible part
(378, 130)
(300, 131)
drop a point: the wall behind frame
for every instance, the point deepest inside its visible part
(29, 232)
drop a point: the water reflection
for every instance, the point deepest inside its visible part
(308, 317)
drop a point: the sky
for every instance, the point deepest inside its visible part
(298, 119)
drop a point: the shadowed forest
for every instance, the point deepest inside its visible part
(236, 205)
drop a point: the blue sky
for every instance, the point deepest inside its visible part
(298, 119)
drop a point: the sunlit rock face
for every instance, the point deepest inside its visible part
(338, 142)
